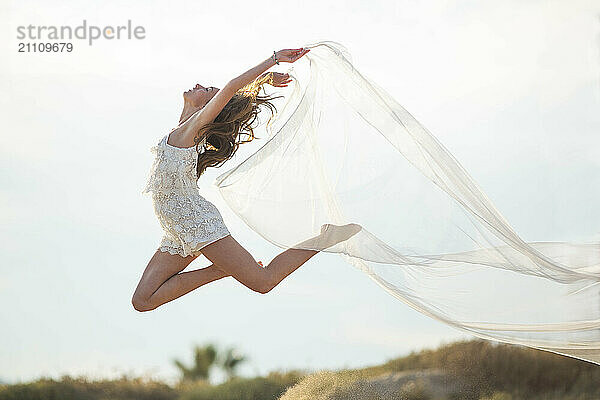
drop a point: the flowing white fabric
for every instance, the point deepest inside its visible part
(342, 150)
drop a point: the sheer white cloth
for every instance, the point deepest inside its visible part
(343, 150)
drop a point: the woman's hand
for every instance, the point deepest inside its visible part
(280, 80)
(290, 55)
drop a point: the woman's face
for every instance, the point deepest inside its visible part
(199, 95)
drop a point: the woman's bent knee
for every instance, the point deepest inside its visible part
(141, 305)
(264, 287)
(257, 283)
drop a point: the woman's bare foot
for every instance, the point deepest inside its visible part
(330, 235)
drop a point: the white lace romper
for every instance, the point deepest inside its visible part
(189, 221)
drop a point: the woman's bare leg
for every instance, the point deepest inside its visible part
(162, 281)
(184, 282)
(237, 262)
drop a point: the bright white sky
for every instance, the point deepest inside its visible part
(511, 88)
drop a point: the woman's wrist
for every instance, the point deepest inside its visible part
(271, 61)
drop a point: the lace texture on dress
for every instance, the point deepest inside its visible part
(173, 169)
(190, 222)
(187, 218)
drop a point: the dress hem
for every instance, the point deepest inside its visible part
(181, 252)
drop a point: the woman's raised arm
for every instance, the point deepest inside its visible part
(210, 111)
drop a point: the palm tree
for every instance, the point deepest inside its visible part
(204, 358)
(230, 361)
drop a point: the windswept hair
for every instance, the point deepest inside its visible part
(223, 134)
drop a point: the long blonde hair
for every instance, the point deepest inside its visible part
(238, 115)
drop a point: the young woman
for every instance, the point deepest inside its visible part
(212, 120)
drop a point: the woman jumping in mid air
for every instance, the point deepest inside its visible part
(208, 135)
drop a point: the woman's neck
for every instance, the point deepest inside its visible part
(187, 111)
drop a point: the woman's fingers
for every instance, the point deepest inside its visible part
(303, 53)
(280, 79)
(291, 55)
